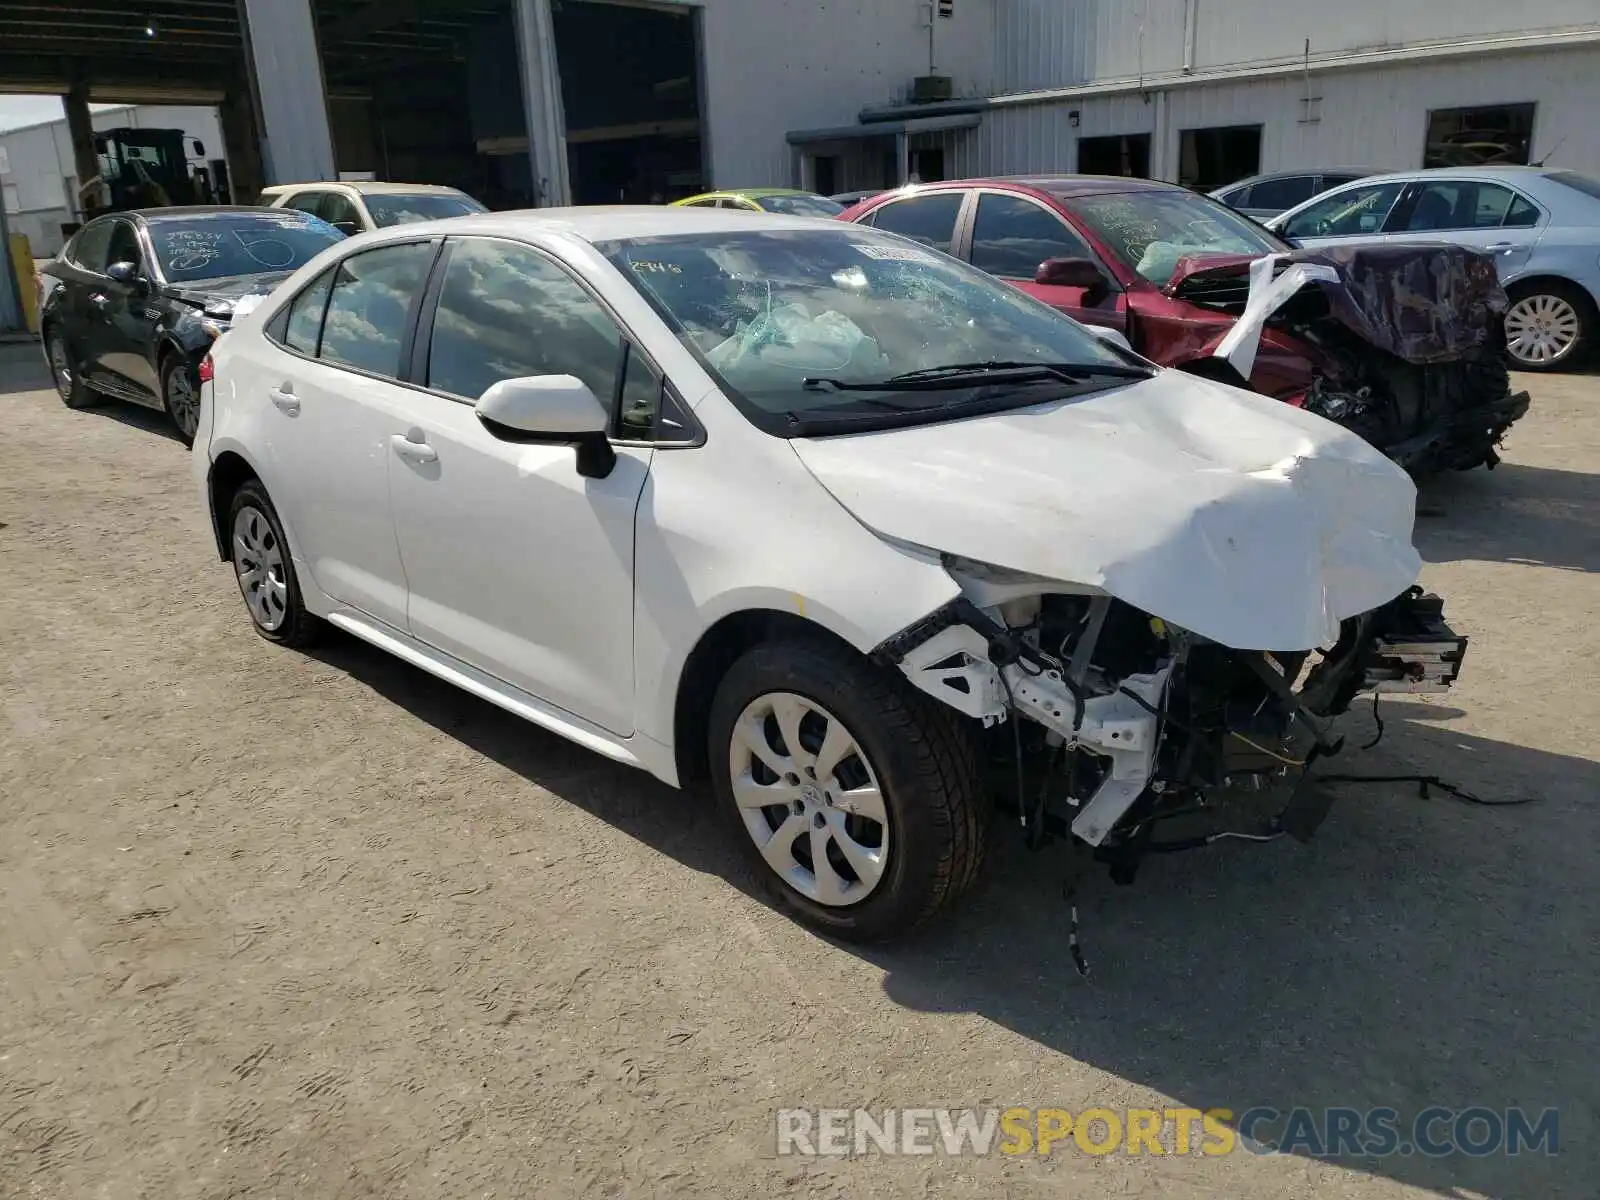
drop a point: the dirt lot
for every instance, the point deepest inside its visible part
(277, 925)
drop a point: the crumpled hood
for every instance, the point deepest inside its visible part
(1232, 515)
(202, 292)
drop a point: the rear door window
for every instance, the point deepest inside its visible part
(1284, 193)
(370, 307)
(1457, 204)
(930, 219)
(1011, 236)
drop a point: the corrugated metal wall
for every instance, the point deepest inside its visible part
(1057, 43)
(1376, 118)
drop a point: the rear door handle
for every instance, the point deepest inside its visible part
(285, 399)
(414, 448)
(1501, 246)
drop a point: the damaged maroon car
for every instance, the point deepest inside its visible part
(1404, 344)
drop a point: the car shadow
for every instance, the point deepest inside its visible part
(1513, 514)
(1418, 952)
(22, 369)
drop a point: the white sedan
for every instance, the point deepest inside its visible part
(818, 514)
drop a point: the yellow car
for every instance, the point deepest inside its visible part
(787, 201)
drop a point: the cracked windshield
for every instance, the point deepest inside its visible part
(1153, 230)
(786, 319)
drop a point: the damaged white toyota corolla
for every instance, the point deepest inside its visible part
(820, 514)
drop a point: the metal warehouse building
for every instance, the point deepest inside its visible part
(545, 101)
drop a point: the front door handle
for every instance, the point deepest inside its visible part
(412, 447)
(1501, 246)
(285, 399)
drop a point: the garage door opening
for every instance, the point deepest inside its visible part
(630, 85)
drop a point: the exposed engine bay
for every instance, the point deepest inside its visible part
(1115, 720)
(1411, 340)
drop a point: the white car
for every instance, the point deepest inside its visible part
(354, 208)
(817, 513)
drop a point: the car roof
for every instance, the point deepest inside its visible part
(364, 187)
(1509, 172)
(602, 223)
(190, 212)
(1056, 185)
(1360, 172)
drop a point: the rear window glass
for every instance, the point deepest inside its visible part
(213, 246)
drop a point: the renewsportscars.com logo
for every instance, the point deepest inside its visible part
(1318, 1132)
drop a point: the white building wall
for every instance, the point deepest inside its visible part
(1371, 118)
(777, 65)
(1058, 43)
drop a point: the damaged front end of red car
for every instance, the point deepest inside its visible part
(1406, 342)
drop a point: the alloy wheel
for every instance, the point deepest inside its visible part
(258, 559)
(1542, 329)
(183, 401)
(809, 798)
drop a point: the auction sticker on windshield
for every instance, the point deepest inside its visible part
(896, 253)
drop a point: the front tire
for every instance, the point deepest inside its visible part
(1550, 326)
(857, 797)
(180, 396)
(65, 372)
(265, 570)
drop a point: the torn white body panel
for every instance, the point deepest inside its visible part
(1223, 512)
(953, 666)
(1267, 296)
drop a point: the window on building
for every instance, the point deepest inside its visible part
(1212, 158)
(1350, 213)
(1475, 137)
(927, 219)
(1012, 236)
(370, 306)
(1125, 154)
(928, 165)
(13, 198)
(825, 173)
(505, 312)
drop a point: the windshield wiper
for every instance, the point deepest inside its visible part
(956, 375)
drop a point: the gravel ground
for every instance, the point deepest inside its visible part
(318, 926)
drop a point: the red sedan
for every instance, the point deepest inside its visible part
(1169, 268)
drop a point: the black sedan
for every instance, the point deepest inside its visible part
(135, 299)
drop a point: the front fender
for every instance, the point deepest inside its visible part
(704, 552)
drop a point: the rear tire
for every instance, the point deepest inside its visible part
(265, 570)
(1550, 326)
(884, 786)
(180, 396)
(66, 373)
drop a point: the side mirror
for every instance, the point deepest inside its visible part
(126, 274)
(1114, 337)
(1075, 272)
(552, 410)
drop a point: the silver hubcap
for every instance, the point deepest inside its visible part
(809, 798)
(61, 365)
(1541, 329)
(258, 558)
(183, 401)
